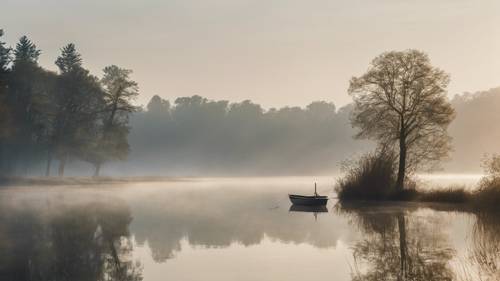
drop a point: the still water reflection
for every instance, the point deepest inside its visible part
(236, 229)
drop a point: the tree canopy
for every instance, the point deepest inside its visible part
(401, 102)
(62, 116)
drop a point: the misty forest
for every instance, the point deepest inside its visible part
(399, 183)
(77, 121)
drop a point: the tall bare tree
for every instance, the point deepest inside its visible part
(401, 102)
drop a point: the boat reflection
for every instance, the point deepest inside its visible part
(308, 209)
(81, 239)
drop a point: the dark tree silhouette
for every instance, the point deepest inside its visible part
(28, 94)
(119, 91)
(26, 51)
(78, 101)
(78, 242)
(5, 58)
(67, 115)
(401, 101)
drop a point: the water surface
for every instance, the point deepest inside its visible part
(235, 229)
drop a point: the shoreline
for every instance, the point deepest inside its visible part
(6, 182)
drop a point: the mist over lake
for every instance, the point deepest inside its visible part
(249, 140)
(224, 227)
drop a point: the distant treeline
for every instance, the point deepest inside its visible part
(71, 114)
(197, 136)
(475, 130)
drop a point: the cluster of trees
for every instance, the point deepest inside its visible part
(217, 137)
(197, 136)
(71, 114)
(48, 118)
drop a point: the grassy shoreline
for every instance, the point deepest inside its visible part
(373, 177)
(481, 199)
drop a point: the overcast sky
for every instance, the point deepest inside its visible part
(274, 52)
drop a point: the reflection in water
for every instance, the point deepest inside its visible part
(219, 218)
(309, 209)
(84, 242)
(399, 246)
(485, 249)
(190, 232)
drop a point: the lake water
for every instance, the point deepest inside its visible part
(235, 229)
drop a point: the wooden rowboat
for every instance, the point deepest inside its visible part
(314, 200)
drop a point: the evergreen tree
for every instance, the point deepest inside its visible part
(26, 98)
(5, 55)
(69, 60)
(78, 101)
(26, 51)
(5, 58)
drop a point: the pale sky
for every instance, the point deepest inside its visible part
(274, 52)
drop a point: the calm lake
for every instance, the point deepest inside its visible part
(236, 229)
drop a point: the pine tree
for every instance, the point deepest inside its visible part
(5, 56)
(26, 52)
(69, 60)
(26, 98)
(78, 102)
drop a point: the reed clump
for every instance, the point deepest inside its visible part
(373, 178)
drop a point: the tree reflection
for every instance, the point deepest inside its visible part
(81, 242)
(221, 217)
(397, 246)
(485, 250)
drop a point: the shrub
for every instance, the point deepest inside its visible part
(371, 177)
(488, 193)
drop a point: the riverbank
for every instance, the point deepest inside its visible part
(484, 197)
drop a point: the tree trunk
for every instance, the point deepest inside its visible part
(62, 164)
(402, 166)
(97, 169)
(403, 248)
(49, 163)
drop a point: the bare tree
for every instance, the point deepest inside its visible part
(401, 102)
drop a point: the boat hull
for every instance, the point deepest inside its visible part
(308, 200)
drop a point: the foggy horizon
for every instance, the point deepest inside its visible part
(249, 140)
(275, 54)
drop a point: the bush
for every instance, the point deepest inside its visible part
(488, 194)
(372, 177)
